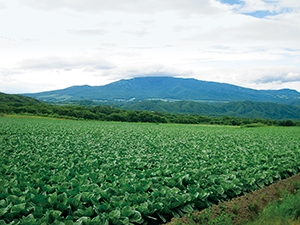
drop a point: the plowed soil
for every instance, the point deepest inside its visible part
(246, 208)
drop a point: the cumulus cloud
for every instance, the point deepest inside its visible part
(264, 8)
(270, 32)
(280, 78)
(257, 5)
(67, 64)
(143, 69)
(289, 4)
(278, 32)
(101, 41)
(131, 6)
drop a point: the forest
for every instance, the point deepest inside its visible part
(17, 104)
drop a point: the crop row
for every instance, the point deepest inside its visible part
(77, 172)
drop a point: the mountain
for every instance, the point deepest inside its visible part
(168, 88)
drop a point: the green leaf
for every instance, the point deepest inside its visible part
(50, 217)
(39, 212)
(52, 198)
(143, 208)
(88, 212)
(220, 190)
(175, 214)
(3, 211)
(100, 220)
(136, 217)
(18, 208)
(40, 199)
(2, 203)
(63, 198)
(75, 201)
(162, 217)
(28, 220)
(156, 207)
(57, 222)
(260, 184)
(16, 191)
(175, 202)
(83, 220)
(68, 222)
(54, 214)
(127, 211)
(128, 188)
(60, 206)
(13, 198)
(114, 215)
(201, 204)
(187, 208)
(104, 207)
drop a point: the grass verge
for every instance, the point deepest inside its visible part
(277, 204)
(283, 211)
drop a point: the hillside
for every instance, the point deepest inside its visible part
(16, 100)
(246, 109)
(16, 104)
(168, 88)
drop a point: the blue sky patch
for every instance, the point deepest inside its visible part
(231, 2)
(257, 13)
(262, 13)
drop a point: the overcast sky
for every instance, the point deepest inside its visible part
(54, 44)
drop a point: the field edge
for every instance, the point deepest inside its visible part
(242, 209)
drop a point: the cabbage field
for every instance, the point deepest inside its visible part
(82, 172)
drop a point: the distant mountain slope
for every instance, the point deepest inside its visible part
(245, 109)
(168, 88)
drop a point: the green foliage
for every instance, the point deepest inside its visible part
(14, 104)
(242, 109)
(87, 172)
(207, 218)
(253, 125)
(254, 207)
(285, 211)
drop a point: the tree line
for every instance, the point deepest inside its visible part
(108, 113)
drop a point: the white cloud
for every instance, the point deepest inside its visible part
(57, 44)
(187, 7)
(280, 78)
(2, 6)
(293, 4)
(67, 64)
(256, 5)
(88, 32)
(266, 8)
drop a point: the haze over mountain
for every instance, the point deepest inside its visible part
(168, 89)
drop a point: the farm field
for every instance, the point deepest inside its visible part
(82, 172)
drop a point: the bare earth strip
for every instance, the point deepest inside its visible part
(246, 208)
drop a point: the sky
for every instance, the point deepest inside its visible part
(54, 44)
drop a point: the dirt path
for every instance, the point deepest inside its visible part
(245, 208)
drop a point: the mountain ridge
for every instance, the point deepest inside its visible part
(168, 88)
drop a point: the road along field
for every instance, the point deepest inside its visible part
(81, 172)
